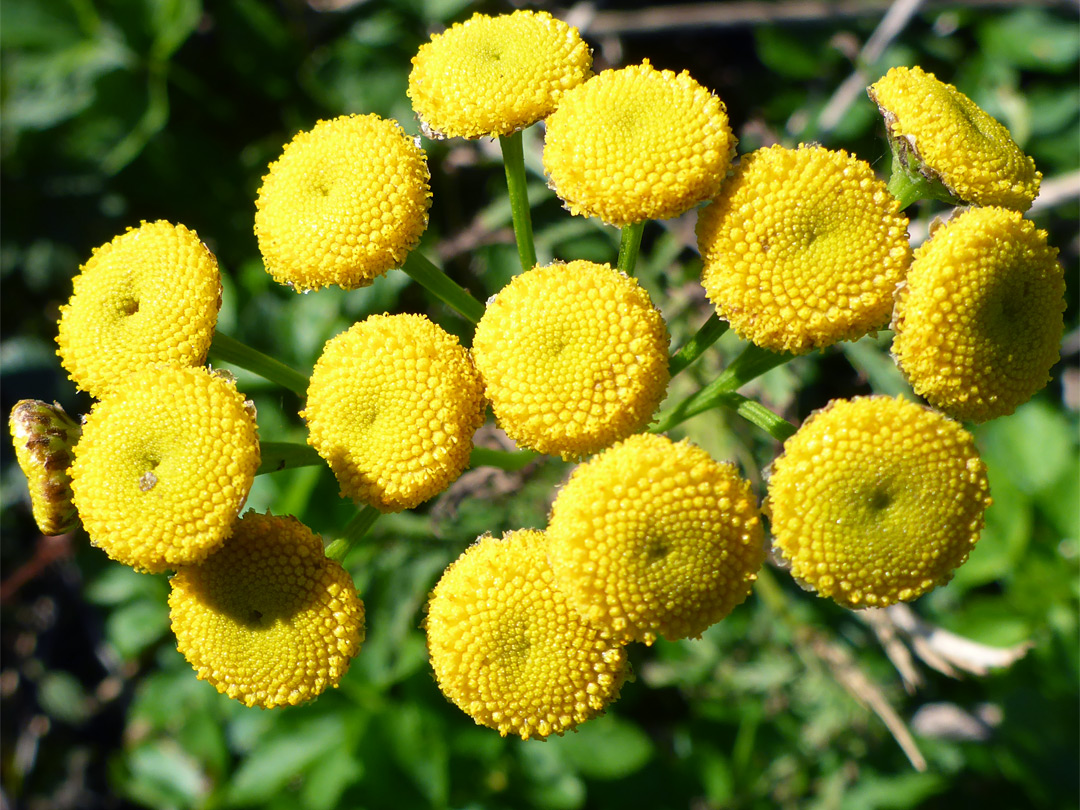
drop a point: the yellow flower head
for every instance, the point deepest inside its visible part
(44, 436)
(951, 140)
(267, 619)
(573, 357)
(509, 651)
(392, 407)
(163, 466)
(803, 248)
(979, 321)
(345, 202)
(496, 75)
(876, 500)
(655, 538)
(150, 296)
(636, 144)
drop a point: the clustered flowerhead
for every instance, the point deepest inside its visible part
(163, 466)
(979, 321)
(267, 619)
(574, 357)
(494, 75)
(508, 649)
(392, 406)
(653, 537)
(637, 143)
(803, 248)
(346, 201)
(150, 296)
(950, 139)
(876, 500)
(44, 436)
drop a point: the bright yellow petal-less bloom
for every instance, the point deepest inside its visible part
(346, 201)
(44, 436)
(954, 141)
(392, 406)
(150, 296)
(876, 500)
(979, 321)
(574, 357)
(267, 619)
(163, 466)
(494, 75)
(636, 144)
(509, 651)
(803, 248)
(652, 538)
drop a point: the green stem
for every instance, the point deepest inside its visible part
(905, 188)
(229, 350)
(353, 533)
(706, 336)
(629, 245)
(514, 163)
(276, 456)
(420, 269)
(509, 460)
(749, 365)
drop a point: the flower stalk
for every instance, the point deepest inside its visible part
(226, 349)
(421, 270)
(354, 531)
(514, 163)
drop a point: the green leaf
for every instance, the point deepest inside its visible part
(412, 729)
(1005, 538)
(607, 747)
(1031, 39)
(788, 52)
(63, 697)
(172, 21)
(161, 774)
(1032, 447)
(135, 626)
(329, 778)
(908, 790)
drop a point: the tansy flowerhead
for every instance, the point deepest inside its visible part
(574, 357)
(636, 144)
(44, 436)
(945, 136)
(876, 500)
(509, 651)
(803, 248)
(267, 618)
(979, 321)
(496, 75)
(392, 406)
(163, 466)
(346, 201)
(150, 296)
(655, 538)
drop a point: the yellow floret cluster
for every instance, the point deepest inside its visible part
(163, 466)
(346, 201)
(508, 649)
(44, 436)
(150, 296)
(267, 619)
(574, 357)
(636, 144)
(876, 500)
(494, 75)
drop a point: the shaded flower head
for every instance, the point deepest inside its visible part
(149, 296)
(803, 248)
(876, 500)
(44, 436)
(346, 201)
(636, 144)
(509, 651)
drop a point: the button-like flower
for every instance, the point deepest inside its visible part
(655, 538)
(267, 619)
(979, 321)
(496, 75)
(346, 201)
(573, 357)
(44, 436)
(392, 406)
(163, 466)
(149, 296)
(876, 500)
(803, 248)
(509, 651)
(636, 144)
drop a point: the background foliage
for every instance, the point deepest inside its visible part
(123, 110)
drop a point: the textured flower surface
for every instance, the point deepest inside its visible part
(953, 140)
(149, 296)
(655, 538)
(163, 466)
(494, 75)
(979, 321)
(803, 248)
(44, 436)
(574, 357)
(509, 651)
(346, 201)
(267, 619)
(876, 500)
(392, 406)
(636, 144)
